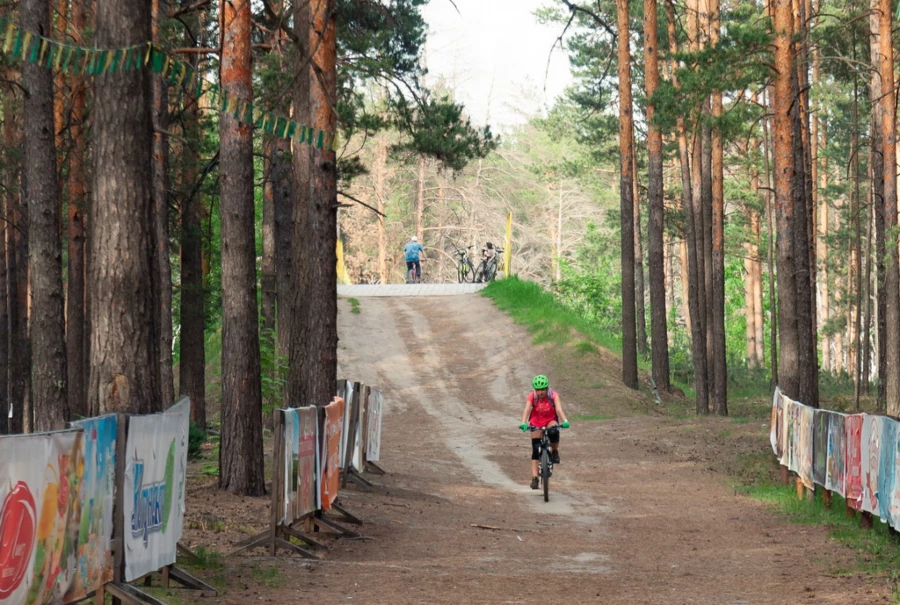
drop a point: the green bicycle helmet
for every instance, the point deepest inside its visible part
(540, 382)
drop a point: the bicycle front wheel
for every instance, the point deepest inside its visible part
(461, 271)
(545, 474)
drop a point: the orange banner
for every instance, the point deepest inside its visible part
(331, 451)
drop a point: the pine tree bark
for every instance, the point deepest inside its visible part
(770, 246)
(720, 372)
(76, 335)
(658, 330)
(10, 173)
(267, 270)
(283, 191)
(124, 362)
(192, 358)
(783, 160)
(878, 162)
(694, 261)
(162, 270)
(888, 109)
(45, 248)
(241, 452)
(626, 193)
(379, 174)
(639, 289)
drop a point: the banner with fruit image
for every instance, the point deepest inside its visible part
(153, 498)
(39, 483)
(93, 511)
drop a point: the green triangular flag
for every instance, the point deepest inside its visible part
(48, 64)
(291, 130)
(156, 61)
(17, 43)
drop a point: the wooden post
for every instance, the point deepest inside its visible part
(277, 478)
(164, 572)
(826, 499)
(810, 495)
(865, 520)
(800, 488)
(785, 475)
(849, 511)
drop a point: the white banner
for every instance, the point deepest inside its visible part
(345, 433)
(39, 480)
(153, 499)
(289, 495)
(374, 410)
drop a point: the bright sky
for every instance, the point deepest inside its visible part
(494, 54)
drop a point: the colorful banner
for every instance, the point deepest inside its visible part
(834, 476)
(331, 451)
(807, 415)
(40, 480)
(871, 453)
(820, 446)
(153, 502)
(374, 410)
(291, 434)
(776, 423)
(886, 465)
(308, 492)
(19, 44)
(94, 507)
(853, 491)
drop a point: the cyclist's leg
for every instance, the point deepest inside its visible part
(535, 452)
(554, 443)
(418, 270)
(409, 267)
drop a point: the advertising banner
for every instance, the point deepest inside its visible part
(820, 446)
(834, 476)
(374, 410)
(871, 453)
(331, 451)
(153, 502)
(308, 492)
(776, 423)
(807, 415)
(886, 463)
(291, 431)
(93, 507)
(40, 479)
(345, 433)
(853, 475)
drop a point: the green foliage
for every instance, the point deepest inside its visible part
(274, 369)
(196, 439)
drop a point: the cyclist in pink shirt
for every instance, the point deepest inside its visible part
(542, 409)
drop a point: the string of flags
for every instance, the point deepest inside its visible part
(19, 44)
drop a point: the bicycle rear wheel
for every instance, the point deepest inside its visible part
(545, 474)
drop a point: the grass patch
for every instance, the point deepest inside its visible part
(354, 305)
(548, 321)
(740, 420)
(269, 577)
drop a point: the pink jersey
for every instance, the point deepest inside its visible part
(543, 409)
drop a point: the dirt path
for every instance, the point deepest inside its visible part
(632, 519)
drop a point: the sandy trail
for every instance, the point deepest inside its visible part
(627, 522)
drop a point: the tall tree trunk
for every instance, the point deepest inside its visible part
(770, 247)
(192, 358)
(694, 260)
(241, 453)
(639, 289)
(76, 358)
(856, 209)
(420, 201)
(788, 367)
(720, 373)
(878, 176)
(45, 249)
(888, 109)
(124, 374)
(867, 326)
(822, 244)
(10, 174)
(313, 353)
(162, 283)
(267, 277)
(282, 191)
(626, 193)
(379, 174)
(655, 224)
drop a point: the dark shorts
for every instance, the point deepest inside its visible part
(414, 263)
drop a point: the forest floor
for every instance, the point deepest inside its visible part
(645, 507)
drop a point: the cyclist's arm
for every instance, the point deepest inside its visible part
(559, 409)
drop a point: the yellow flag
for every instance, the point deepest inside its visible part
(342, 276)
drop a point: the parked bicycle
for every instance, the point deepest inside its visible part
(465, 270)
(487, 268)
(546, 460)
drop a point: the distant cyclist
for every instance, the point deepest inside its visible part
(542, 409)
(487, 256)
(414, 254)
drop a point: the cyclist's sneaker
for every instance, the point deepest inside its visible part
(534, 483)
(554, 457)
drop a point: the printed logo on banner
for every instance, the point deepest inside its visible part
(18, 519)
(152, 502)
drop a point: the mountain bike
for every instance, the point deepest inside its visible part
(412, 277)
(465, 270)
(545, 460)
(487, 268)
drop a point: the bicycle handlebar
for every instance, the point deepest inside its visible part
(545, 428)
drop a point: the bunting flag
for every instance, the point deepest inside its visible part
(20, 45)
